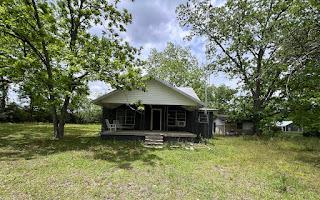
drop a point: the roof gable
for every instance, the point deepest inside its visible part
(157, 92)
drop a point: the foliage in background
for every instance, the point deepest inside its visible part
(244, 40)
(301, 50)
(222, 98)
(176, 65)
(84, 111)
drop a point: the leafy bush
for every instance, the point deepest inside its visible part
(311, 133)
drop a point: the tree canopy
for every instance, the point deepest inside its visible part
(60, 55)
(245, 40)
(301, 51)
(176, 65)
(221, 97)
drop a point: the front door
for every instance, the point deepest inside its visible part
(156, 115)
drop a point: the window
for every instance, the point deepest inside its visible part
(126, 117)
(239, 125)
(177, 118)
(203, 117)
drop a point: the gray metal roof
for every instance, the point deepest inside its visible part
(283, 123)
(189, 91)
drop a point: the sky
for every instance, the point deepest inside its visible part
(154, 25)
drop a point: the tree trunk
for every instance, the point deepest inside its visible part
(257, 108)
(4, 87)
(61, 129)
(54, 121)
(62, 119)
(257, 117)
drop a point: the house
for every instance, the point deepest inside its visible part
(288, 126)
(162, 109)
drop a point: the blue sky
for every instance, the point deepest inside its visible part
(155, 24)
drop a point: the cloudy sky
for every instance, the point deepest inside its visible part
(155, 24)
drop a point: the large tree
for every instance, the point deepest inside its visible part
(221, 97)
(61, 54)
(301, 51)
(10, 50)
(243, 40)
(178, 66)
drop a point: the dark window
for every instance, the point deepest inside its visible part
(203, 117)
(177, 118)
(126, 117)
(239, 125)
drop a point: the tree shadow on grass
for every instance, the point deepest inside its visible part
(311, 159)
(29, 143)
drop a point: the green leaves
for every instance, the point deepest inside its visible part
(59, 53)
(222, 98)
(178, 66)
(244, 40)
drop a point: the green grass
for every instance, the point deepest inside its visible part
(82, 166)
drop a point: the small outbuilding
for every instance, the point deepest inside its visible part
(288, 126)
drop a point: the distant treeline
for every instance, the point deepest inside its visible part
(16, 113)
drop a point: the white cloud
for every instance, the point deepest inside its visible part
(155, 24)
(98, 88)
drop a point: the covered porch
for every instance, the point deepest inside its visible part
(169, 121)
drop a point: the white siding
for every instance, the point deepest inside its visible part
(219, 121)
(156, 93)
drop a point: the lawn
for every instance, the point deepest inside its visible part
(82, 166)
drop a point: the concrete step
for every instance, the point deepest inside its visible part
(154, 140)
(154, 146)
(153, 143)
(154, 136)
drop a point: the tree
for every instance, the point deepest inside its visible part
(5, 62)
(301, 50)
(56, 39)
(84, 111)
(176, 65)
(243, 40)
(221, 97)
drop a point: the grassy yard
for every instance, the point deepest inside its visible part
(81, 166)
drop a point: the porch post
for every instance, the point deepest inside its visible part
(144, 118)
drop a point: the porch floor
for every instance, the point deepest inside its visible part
(179, 134)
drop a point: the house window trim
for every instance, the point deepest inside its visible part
(176, 124)
(125, 117)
